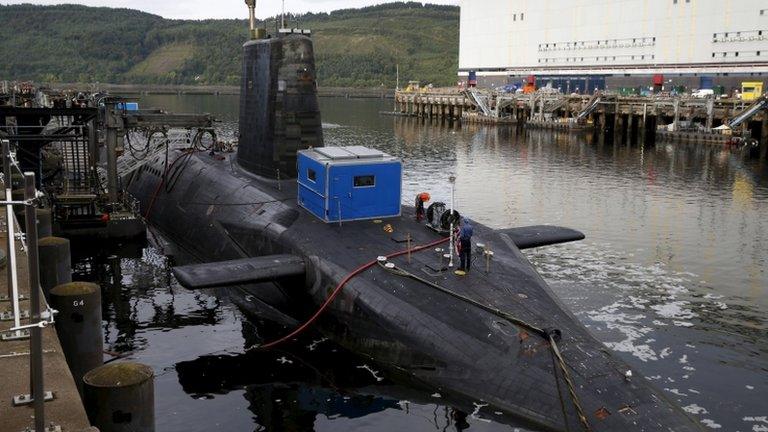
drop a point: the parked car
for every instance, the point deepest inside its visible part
(703, 93)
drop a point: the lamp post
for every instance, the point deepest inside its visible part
(452, 179)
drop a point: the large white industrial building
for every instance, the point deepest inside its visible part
(503, 38)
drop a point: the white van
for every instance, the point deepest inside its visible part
(703, 93)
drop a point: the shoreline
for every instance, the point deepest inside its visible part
(218, 90)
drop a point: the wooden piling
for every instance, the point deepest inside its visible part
(764, 137)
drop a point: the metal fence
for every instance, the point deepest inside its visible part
(37, 318)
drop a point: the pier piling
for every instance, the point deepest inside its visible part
(44, 222)
(764, 138)
(119, 397)
(55, 263)
(79, 326)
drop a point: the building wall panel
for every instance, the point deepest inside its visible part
(620, 35)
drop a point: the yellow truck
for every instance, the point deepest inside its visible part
(751, 91)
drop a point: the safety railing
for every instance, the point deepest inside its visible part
(37, 318)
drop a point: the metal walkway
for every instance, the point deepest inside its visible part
(475, 97)
(749, 112)
(591, 107)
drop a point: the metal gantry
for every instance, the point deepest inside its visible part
(85, 135)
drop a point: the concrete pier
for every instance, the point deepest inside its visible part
(66, 409)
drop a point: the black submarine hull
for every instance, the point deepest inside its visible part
(218, 211)
(475, 337)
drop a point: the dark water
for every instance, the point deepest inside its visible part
(673, 277)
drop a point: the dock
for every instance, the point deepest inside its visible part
(662, 117)
(219, 90)
(51, 350)
(65, 411)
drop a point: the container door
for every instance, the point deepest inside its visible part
(340, 198)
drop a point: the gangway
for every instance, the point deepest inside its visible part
(479, 102)
(591, 107)
(749, 112)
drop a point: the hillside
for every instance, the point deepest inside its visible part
(354, 47)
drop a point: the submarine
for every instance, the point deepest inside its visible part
(316, 237)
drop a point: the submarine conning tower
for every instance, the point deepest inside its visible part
(279, 110)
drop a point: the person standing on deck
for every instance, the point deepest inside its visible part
(421, 199)
(465, 247)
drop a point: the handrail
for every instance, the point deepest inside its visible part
(37, 319)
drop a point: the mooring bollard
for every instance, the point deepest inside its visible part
(79, 326)
(44, 223)
(55, 263)
(120, 397)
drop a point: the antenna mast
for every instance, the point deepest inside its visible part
(256, 33)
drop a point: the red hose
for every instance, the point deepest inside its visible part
(338, 289)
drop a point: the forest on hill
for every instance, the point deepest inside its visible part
(353, 47)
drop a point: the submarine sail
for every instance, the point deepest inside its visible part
(279, 111)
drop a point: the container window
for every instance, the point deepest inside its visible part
(311, 175)
(365, 181)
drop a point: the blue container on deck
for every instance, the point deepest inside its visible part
(339, 184)
(128, 106)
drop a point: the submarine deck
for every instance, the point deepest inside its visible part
(490, 357)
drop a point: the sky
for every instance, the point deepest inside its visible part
(200, 9)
